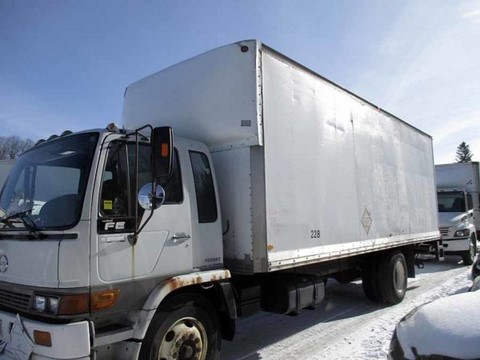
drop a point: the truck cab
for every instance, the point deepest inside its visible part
(71, 273)
(455, 216)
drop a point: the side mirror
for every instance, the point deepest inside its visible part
(162, 152)
(147, 201)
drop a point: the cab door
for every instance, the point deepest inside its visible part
(164, 246)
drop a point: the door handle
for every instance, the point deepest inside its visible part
(179, 238)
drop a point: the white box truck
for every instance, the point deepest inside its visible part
(458, 187)
(127, 243)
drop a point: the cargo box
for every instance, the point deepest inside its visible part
(307, 171)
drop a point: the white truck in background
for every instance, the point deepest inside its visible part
(458, 187)
(5, 166)
(132, 244)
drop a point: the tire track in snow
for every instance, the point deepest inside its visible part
(360, 345)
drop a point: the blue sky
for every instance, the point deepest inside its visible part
(65, 64)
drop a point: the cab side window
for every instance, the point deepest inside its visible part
(469, 201)
(204, 189)
(119, 184)
(171, 184)
(114, 199)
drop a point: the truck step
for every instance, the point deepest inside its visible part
(113, 335)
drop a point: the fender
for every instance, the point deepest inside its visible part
(145, 315)
(472, 229)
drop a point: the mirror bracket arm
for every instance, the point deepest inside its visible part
(132, 239)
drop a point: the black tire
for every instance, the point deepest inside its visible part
(468, 256)
(393, 278)
(370, 281)
(476, 269)
(185, 327)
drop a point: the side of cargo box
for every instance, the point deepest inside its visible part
(336, 177)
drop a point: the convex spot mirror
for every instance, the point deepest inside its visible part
(147, 201)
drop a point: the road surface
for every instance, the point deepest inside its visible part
(346, 325)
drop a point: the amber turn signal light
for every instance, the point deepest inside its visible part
(165, 150)
(42, 338)
(74, 304)
(104, 299)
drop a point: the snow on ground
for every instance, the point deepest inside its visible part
(346, 325)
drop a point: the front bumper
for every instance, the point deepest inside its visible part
(69, 341)
(456, 244)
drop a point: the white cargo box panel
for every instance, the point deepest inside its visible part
(212, 98)
(319, 174)
(458, 176)
(335, 177)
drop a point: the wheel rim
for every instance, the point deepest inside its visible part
(185, 340)
(472, 251)
(399, 277)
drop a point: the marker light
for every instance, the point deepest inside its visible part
(104, 299)
(42, 338)
(165, 150)
(112, 127)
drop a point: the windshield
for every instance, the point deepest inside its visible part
(451, 202)
(48, 183)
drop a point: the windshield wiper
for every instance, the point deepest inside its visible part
(15, 215)
(26, 220)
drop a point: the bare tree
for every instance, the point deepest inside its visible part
(463, 153)
(12, 146)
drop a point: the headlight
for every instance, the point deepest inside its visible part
(462, 233)
(40, 303)
(53, 304)
(45, 304)
(61, 305)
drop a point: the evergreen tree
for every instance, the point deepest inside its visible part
(463, 153)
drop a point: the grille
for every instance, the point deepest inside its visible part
(444, 231)
(15, 300)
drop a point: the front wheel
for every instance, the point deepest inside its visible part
(468, 256)
(184, 328)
